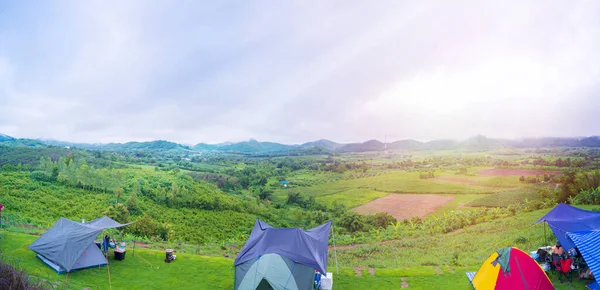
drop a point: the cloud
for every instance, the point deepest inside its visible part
(293, 72)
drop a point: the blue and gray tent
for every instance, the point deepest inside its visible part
(575, 227)
(69, 245)
(279, 258)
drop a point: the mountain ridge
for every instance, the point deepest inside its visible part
(475, 143)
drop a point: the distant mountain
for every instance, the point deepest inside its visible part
(251, 146)
(408, 145)
(12, 141)
(324, 143)
(371, 145)
(159, 145)
(443, 144)
(5, 137)
(478, 142)
(593, 141)
(323, 146)
(254, 146)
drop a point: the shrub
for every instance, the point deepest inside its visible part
(118, 212)
(41, 176)
(384, 219)
(587, 197)
(11, 278)
(353, 222)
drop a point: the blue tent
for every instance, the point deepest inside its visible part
(564, 219)
(280, 258)
(588, 243)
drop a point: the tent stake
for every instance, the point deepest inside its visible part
(337, 271)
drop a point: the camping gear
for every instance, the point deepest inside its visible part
(282, 258)
(563, 267)
(327, 281)
(317, 279)
(510, 268)
(120, 254)
(564, 219)
(69, 245)
(577, 228)
(169, 255)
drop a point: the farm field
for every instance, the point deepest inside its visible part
(394, 182)
(515, 172)
(405, 206)
(351, 198)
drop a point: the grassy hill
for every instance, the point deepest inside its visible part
(423, 262)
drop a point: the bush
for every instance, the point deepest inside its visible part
(352, 221)
(118, 212)
(11, 278)
(42, 176)
(588, 197)
(384, 219)
(149, 228)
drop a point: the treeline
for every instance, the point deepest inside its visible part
(168, 188)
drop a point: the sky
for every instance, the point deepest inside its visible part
(298, 71)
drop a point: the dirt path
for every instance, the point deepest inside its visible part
(358, 270)
(404, 206)
(403, 282)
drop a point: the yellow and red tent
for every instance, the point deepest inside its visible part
(511, 268)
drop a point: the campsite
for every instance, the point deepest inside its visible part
(479, 212)
(299, 145)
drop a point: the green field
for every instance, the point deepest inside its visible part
(393, 182)
(351, 198)
(424, 262)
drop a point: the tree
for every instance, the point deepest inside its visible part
(384, 219)
(264, 194)
(352, 221)
(132, 203)
(118, 212)
(294, 197)
(118, 192)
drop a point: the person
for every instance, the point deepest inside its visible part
(558, 249)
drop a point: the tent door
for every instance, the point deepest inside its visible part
(264, 285)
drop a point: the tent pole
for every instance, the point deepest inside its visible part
(337, 271)
(545, 240)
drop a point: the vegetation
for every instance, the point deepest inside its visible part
(205, 201)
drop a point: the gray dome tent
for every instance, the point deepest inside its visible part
(276, 258)
(69, 245)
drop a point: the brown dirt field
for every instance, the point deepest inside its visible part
(403, 206)
(514, 172)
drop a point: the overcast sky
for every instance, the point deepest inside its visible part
(297, 71)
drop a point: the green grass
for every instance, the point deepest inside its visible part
(392, 182)
(459, 200)
(352, 198)
(146, 270)
(425, 262)
(462, 250)
(505, 198)
(143, 270)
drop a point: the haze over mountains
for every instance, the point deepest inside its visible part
(475, 143)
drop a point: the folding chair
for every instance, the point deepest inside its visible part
(563, 266)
